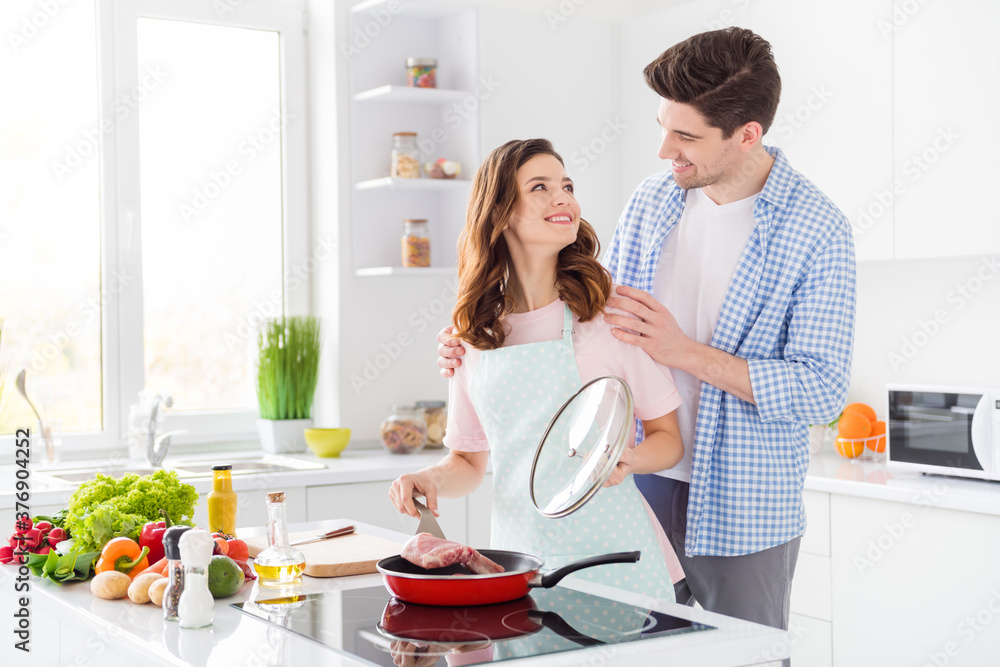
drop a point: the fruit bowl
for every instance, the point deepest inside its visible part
(871, 448)
(860, 433)
(327, 442)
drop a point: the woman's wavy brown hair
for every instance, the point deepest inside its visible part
(484, 263)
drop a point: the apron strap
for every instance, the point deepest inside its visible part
(567, 330)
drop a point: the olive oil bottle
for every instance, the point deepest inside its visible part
(279, 564)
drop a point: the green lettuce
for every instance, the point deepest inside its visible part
(105, 507)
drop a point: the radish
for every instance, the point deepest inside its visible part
(6, 555)
(33, 538)
(43, 526)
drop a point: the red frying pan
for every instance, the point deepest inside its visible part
(453, 586)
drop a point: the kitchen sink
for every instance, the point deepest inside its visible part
(264, 464)
(86, 474)
(187, 469)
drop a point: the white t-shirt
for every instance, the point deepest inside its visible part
(697, 263)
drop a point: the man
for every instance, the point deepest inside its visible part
(753, 272)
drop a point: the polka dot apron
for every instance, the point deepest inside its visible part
(516, 390)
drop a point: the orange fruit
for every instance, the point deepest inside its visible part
(861, 409)
(849, 449)
(854, 426)
(878, 428)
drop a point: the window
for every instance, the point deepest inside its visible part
(50, 229)
(157, 153)
(210, 205)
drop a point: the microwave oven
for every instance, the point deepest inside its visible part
(944, 430)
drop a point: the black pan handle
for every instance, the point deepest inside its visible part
(553, 577)
(558, 625)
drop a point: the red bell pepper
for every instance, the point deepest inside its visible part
(152, 536)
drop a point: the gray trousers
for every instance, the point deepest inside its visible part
(756, 587)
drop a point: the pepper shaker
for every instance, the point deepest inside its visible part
(175, 571)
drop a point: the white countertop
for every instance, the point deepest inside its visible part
(237, 638)
(828, 471)
(831, 472)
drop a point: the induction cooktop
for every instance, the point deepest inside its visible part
(370, 624)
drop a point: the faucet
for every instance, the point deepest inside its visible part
(157, 446)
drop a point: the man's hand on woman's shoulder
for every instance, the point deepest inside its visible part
(449, 351)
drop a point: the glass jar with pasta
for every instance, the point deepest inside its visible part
(436, 419)
(403, 431)
(405, 156)
(416, 244)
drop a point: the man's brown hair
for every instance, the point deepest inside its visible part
(728, 75)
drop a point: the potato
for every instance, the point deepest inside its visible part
(156, 591)
(112, 585)
(138, 590)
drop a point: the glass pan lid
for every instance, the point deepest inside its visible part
(581, 446)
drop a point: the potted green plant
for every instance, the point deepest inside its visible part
(287, 368)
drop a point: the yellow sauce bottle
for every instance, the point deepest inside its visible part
(222, 501)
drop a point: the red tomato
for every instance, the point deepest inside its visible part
(238, 550)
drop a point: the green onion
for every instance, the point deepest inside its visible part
(287, 367)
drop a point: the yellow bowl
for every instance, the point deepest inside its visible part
(327, 442)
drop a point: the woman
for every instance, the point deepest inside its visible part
(531, 293)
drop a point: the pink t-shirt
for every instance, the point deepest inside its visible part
(598, 353)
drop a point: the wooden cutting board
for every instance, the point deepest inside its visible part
(356, 553)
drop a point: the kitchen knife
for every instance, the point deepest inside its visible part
(338, 532)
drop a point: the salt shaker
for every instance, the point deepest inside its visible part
(175, 571)
(196, 608)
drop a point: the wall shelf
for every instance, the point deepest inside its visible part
(391, 93)
(408, 8)
(405, 271)
(414, 184)
(445, 126)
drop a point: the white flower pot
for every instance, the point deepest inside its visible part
(282, 436)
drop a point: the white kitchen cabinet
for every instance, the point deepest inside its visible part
(915, 584)
(946, 92)
(811, 641)
(811, 587)
(383, 35)
(810, 627)
(834, 121)
(816, 539)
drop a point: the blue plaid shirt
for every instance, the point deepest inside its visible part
(789, 311)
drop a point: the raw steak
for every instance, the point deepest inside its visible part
(429, 552)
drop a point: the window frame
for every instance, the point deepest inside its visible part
(120, 196)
